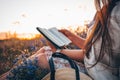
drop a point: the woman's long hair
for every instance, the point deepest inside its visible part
(100, 29)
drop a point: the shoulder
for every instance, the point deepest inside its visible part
(116, 12)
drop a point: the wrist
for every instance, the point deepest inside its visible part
(59, 50)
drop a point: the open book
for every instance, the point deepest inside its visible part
(58, 39)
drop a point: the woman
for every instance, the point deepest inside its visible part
(102, 48)
(100, 52)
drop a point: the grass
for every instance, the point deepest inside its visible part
(10, 49)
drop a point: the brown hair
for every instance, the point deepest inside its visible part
(100, 29)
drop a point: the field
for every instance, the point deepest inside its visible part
(10, 49)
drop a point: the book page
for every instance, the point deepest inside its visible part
(52, 37)
(60, 35)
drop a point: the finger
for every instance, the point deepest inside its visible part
(41, 50)
(62, 30)
(52, 47)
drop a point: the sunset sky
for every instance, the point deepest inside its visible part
(23, 16)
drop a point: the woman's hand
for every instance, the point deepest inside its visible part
(52, 47)
(68, 34)
(77, 40)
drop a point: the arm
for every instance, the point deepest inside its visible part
(78, 41)
(75, 54)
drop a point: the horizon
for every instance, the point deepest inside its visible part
(23, 16)
(9, 35)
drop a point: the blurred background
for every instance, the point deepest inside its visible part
(19, 19)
